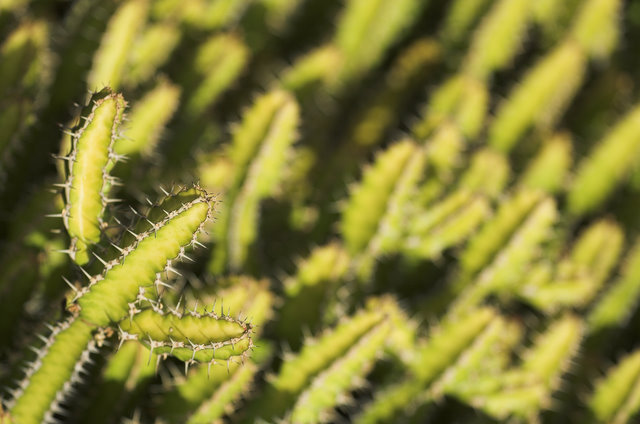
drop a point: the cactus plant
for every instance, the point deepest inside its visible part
(315, 211)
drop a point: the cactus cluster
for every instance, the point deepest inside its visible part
(315, 211)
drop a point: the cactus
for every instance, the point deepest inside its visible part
(318, 211)
(88, 180)
(615, 399)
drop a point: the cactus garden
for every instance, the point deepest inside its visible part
(319, 211)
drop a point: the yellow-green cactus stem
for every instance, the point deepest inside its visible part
(22, 54)
(496, 231)
(310, 70)
(606, 166)
(553, 17)
(376, 24)
(442, 103)
(580, 277)
(488, 173)
(263, 175)
(217, 64)
(498, 37)
(541, 370)
(56, 369)
(110, 60)
(317, 277)
(445, 224)
(490, 355)
(258, 153)
(620, 298)
(541, 97)
(616, 398)
(87, 172)
(297, 372)
(150, 51)
(146, 120)
(409, 71)
(463, 100)
(597, 27)
(444, 151)
(548, 170)
(221, 402)
(514, 259)
(201, 393)
(430, 360)
(329, 389)
(387, 237)
(189, 336)
(126, 374)
(461, 17)
(368, 201)
(241, 296)
(172, 226)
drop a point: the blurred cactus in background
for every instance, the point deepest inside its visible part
(315, 211)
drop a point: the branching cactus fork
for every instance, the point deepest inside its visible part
(123, 296)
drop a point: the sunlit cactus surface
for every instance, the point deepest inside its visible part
(319, 211)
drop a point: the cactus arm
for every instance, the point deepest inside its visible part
(19, 279)
(487, 173)
(150, 51)
(24, 78)
(90, 157)
(316, 278)
(596, 27)
(298, 372)
(213, 15)
(211, 388)
(168, 228)
(387, 237)
(147, 119)
(22, 55)
(444, 346)
(545, 91)
(579, 278)
(188, 336)
(315, 404)
(597, 249)
(50, 378)
(106, 299)
(262, 178)
(453, 230)
(110, 59)
(220, 404)
(496, 231)
(411, 68)
(374, 23)
(126, 374)
(312, 69)
(462, 100)
(549, 168)
(217, 64)
(518, 254)
(540, 97)
(612, 400)
(604, 168)
(490, 355)
(529, 387)
(461, 17)
(619, 300)
(260, 145)
(441, 104)
(368, 200)
(498, 37)
(392, 401)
